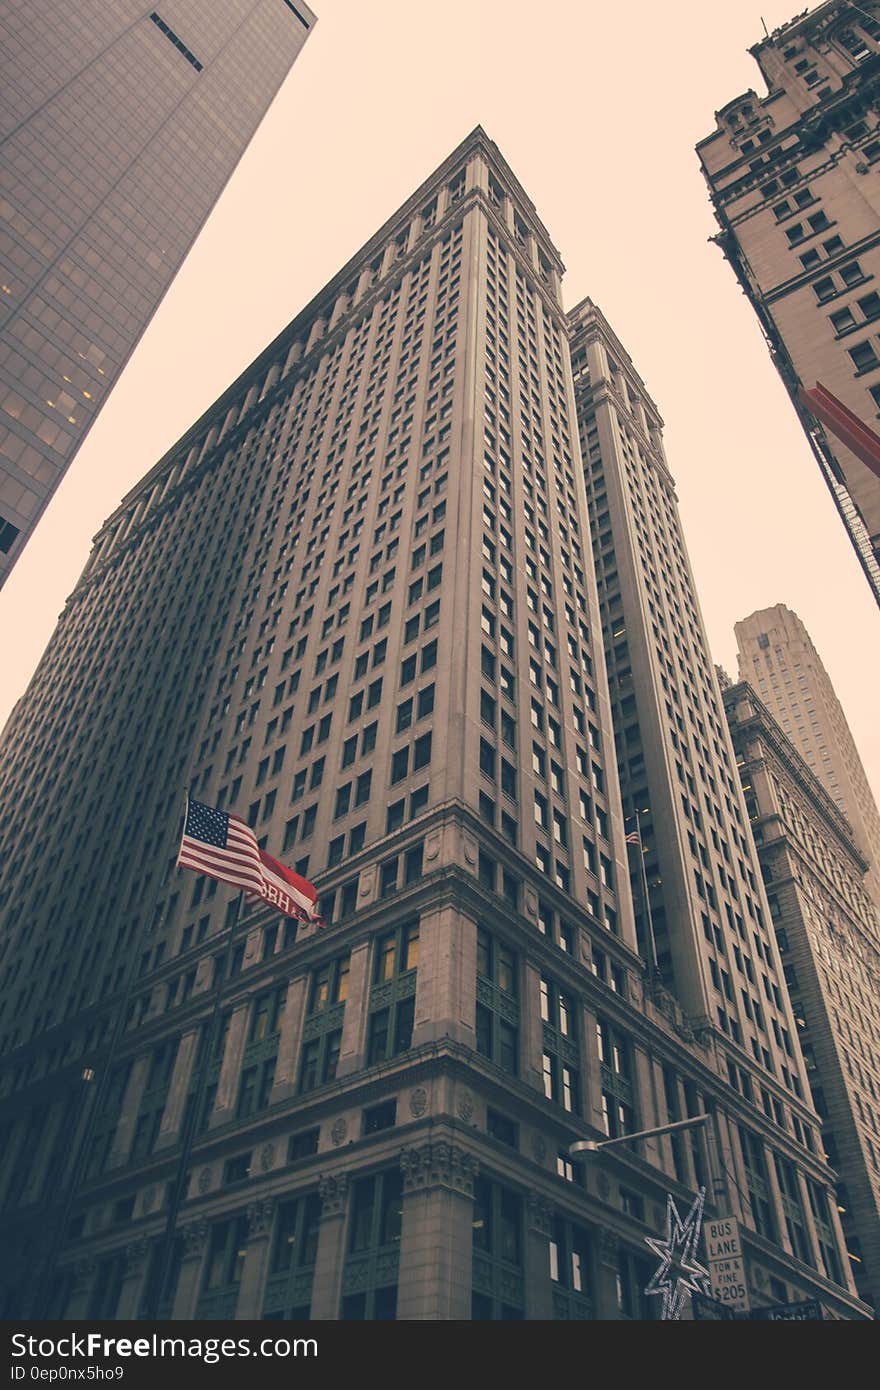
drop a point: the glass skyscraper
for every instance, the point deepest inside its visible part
(120, 125)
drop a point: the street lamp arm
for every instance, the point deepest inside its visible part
(593, 1145)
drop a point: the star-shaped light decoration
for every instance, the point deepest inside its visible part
(679, 1273)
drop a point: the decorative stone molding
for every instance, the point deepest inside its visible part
(539, 1147)
(603, 1186)
(432, 846)
(540, 1214)
(438, 1164)
(194, 1237)
(368, 882)
(466, 1105)
(333, 1190)
(259, 1215)
(470, 850)
(204, 1180)
(530, 902)
(267, 1157)
(136, 1253)
(418, 1102)
(339, 1132)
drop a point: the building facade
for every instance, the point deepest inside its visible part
(828, 931)
(776, 656)
(793, 181)
(376, 543)
(701, 911)
(119, 128)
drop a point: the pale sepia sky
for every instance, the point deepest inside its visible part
(597, 108)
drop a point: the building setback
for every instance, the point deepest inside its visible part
(792, 177)
(700, 906)
(828, 931)
(376, 545)
(119, 128)
(776, 656)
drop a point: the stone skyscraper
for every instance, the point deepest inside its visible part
(779, 661)
(119, 128)
(828, 931)
(356, 603)
(699, 899)
(793, 180)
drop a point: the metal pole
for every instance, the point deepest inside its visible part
(593, 1145)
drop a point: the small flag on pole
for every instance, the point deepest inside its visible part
(223, 846)
(633, 838)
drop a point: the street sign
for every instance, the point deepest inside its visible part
(808, 1311)
(707, 1309)
(727, 1270)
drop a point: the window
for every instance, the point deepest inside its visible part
(497, 1008)
(615, 1067)
(863, 355)
(498, 1246)
(227, 1247)
(570, 1257)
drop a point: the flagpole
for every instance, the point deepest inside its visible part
(83, 1148)
(192, 1115)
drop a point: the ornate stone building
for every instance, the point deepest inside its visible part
(376, 547)
(119, 128)
(793, 180)
(828, 931)
(776, 656)
(701, 912)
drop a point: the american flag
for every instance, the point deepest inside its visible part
(222, 846)
(633, 838)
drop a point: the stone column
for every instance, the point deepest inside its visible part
(253, 1277)
(230, 1068)
(776, 1200)
(731, 1156)
(128, 1114)
(539, 1230)
(353, 1046)
(532, 1029)
(186, 1295)
(647, 1114)
(81, 1289)
(136, 1265)
(446, 985)
(434, 1280)
(178, 1091)
(840, 1242)
(592, 1070)
(327, 1285)
(289, 1040)
(605, 1304)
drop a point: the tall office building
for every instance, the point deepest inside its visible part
(777, 658)
(792, 177)
(375, 546)
(701, 911)
(828, 931)
(119, 128)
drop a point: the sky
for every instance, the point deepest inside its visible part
(597, 109)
